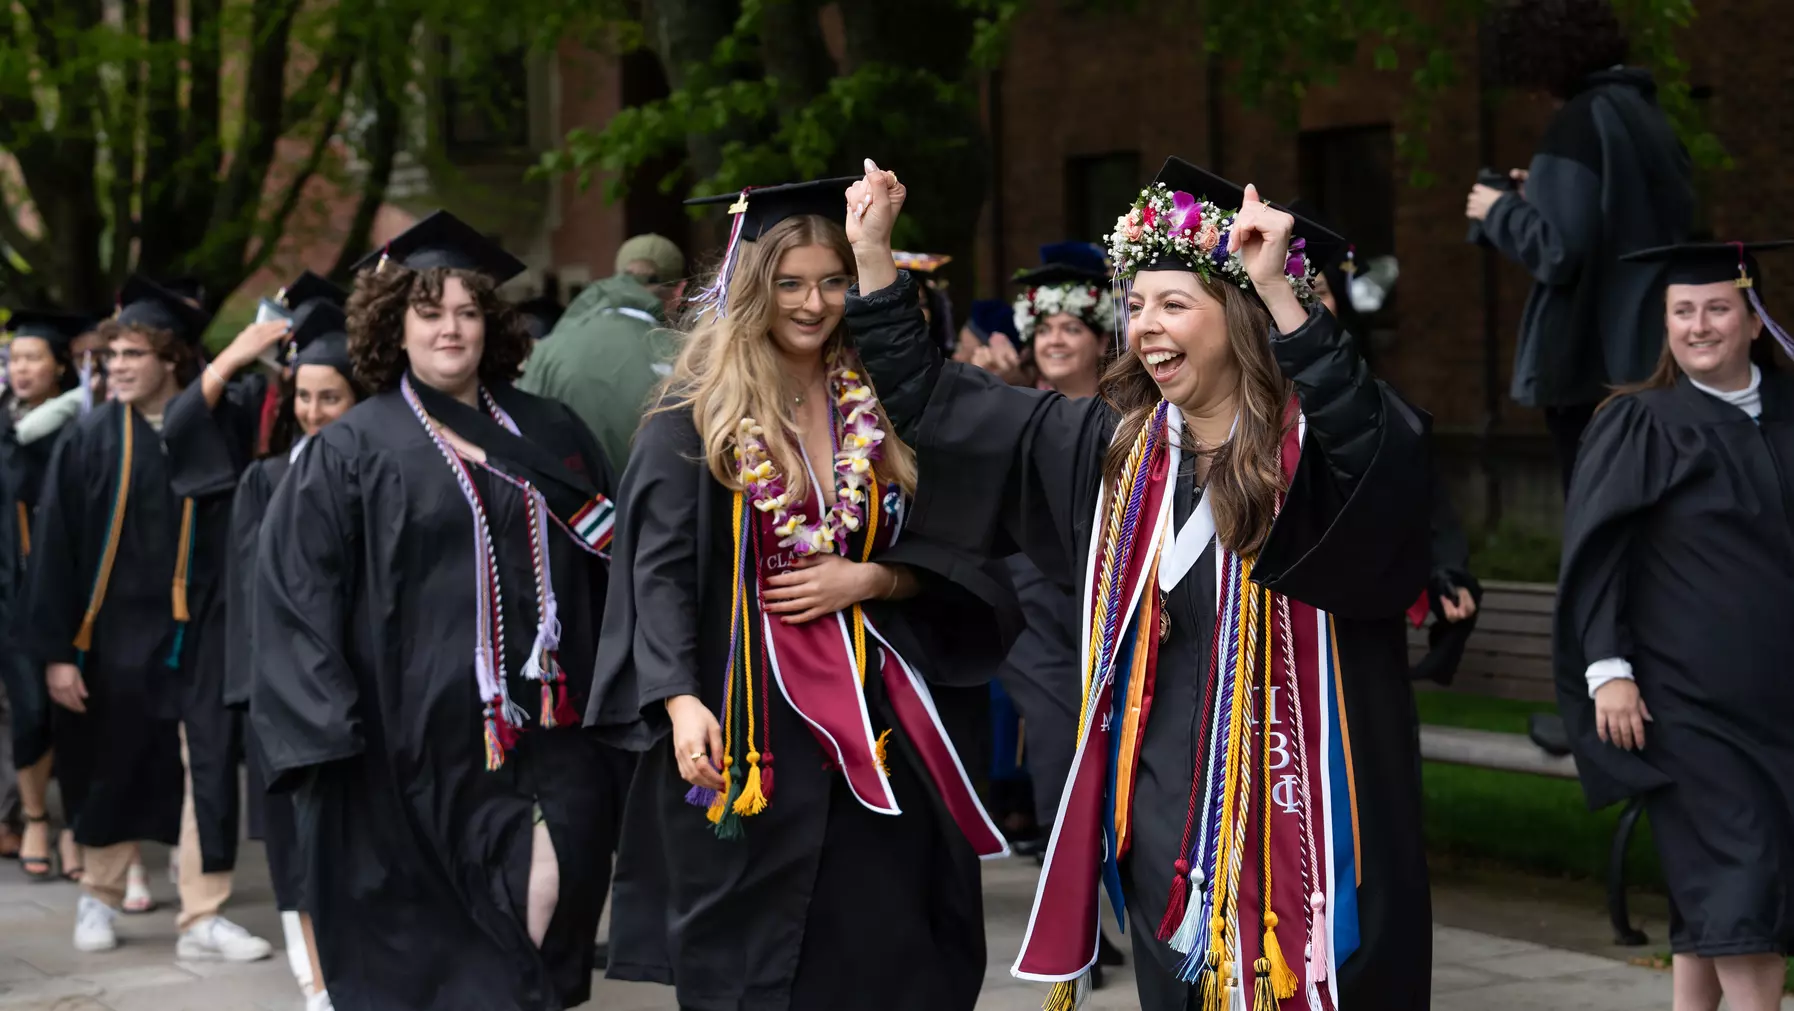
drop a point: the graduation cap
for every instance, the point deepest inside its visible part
(540, 314)
(1169, 228)
(756, 209)
(58, 329)
(920, 263)
(188, 287)
(443, 240)
(320, 336)
(308, 286)
(1708, 262)
(991, 315)
(1713, 262)
(1067, 263)
(144, 303)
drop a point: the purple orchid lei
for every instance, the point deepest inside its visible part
(859, 447)
(1194, 232)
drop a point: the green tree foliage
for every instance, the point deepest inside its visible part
(178, 137)
(751, 102)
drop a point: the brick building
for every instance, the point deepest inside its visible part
(1085, 109)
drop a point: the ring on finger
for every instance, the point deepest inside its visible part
(696, 756)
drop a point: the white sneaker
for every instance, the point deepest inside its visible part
(319, 1001)
(93, 925)
(137, 894)
(217, 939)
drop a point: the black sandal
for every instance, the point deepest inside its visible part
(37, 868)
(72, 874)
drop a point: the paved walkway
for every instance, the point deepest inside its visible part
(41, 971)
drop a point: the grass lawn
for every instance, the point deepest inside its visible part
(1528, 823)
(1525, 822)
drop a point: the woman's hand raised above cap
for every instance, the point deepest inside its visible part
(873, 204)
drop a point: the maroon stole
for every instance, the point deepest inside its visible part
(816, 666)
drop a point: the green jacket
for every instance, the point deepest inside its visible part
(603, 359)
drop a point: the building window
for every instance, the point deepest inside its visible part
(485, 99)
(1349, 175)
(1098, 188)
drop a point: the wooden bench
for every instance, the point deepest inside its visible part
(1509, 657)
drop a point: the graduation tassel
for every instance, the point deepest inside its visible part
(700, 796)
(1068, 994)
(564, 715)
(1176, 907)
(1262, 997)
(719, 806)
(751, 801)
(766, 776)
(1188, 931)
(495, 751)
(548, 714)
(1207, 980)
(879, 752)
(1283, 979)
(1317, 939)
(728, 823)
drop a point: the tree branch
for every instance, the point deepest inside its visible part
(270, 231)
(383, 88)
(203, 142)
(121, 144)
(164, 234)
(237, 206)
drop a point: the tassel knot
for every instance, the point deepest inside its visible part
(1180, 897)
(1317, 938)
(751, 801)
(1282, 979)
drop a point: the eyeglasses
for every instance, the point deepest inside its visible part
(792, 291)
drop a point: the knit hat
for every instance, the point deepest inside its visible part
(668, 261)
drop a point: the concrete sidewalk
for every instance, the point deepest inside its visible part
(41, 971)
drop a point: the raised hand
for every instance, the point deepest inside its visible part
(873, 204)
(1261, 236)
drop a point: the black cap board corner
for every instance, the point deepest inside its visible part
(308, 286)
(143, 302)
(443, 240)
(762, 207)
(59, 329)
(1066, 263)
(320, 335)
(1708, 262)
(1322, 244)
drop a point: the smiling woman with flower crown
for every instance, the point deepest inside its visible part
(775, 604)
(1245, 507)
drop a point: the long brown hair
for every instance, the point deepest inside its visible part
(728, 369)
(1245, 473)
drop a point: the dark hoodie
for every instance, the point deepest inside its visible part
(1609, 177)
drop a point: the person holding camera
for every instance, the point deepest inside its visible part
(1609, 178)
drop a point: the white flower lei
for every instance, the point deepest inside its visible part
(1088, 302)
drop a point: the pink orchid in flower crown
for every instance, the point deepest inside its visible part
(1297, 264)
(1186, 214)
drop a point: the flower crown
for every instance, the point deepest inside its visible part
(1178, 226)
(1088, 302)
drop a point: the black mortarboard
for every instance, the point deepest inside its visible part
(443, 240)
(144, 303)
(1708, 262)
(188, 287)
(991, 315)
(320, 336)
(1338, 254)
(540, 314)
(59, 329)
(1323, 244)
(765, 206)
(1067, 263)
(308, 286)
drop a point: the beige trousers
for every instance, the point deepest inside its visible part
(202, 894)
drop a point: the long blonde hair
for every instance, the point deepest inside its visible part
(729, 369)
(1245, 474)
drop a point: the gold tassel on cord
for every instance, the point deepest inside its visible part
(1283, 978)
(1262, 998)
(752, 801)
(720, 806)
(1068, 994)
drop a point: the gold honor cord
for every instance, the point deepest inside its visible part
(84, 636)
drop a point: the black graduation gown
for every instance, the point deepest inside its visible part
(1679, 556)
(270, 816)
(1005, 467)
(119, 765)
(823, 904)
(364, 700)
(208, 449)
(1041, 674)
(22, 470)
